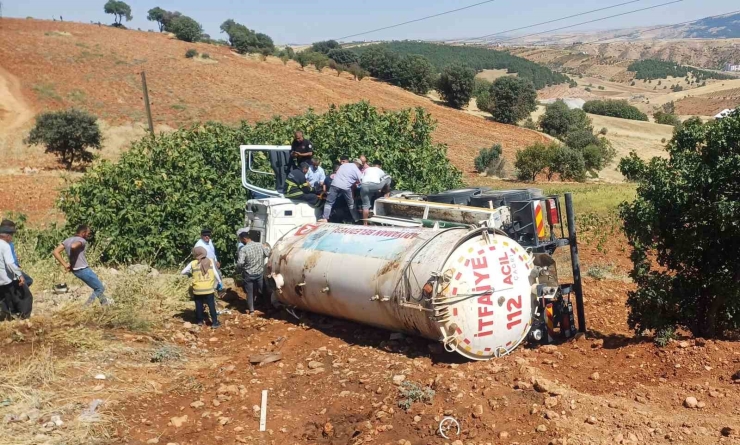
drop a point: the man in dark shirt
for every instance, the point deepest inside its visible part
(297, 188)
(301, 150)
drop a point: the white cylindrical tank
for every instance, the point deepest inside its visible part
(472, 290)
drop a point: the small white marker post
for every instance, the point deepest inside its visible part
(263, 411)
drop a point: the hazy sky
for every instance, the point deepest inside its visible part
(304, 21)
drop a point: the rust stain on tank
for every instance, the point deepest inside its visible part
(388, 267)
(284, 257)
(312, 261)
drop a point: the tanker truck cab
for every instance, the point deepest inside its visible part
(269, 215)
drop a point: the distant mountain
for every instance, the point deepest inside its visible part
(725, 27)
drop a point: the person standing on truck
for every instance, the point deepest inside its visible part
(15, 299)
(298, 188)
(75, 247)
(301, 150)
(375, 182)
(315, 175)
(205, 278)
(251, 264)
(347, 177)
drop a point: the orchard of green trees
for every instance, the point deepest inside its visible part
(476, 58)
(614, 108)
(659, 69)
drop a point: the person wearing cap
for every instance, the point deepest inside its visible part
(374, 183)
(15, 301)
(204, 279)
(346, 178)
(26, 277)
(297, 186)
(251, 264)
(206, 243)
(75, 247)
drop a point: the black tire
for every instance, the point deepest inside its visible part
(457, 196)
(501, 198)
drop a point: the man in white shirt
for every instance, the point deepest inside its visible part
(375, 182)
(206, 243)
(13, 299)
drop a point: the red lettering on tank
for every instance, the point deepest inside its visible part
(484, 288)
(484, 311)
(504, 259)
(480, 277)
(480, 263)
(483, 325)
(514, 316)
(485, 299)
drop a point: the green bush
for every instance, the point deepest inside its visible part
(205, 56)
(580, 139)
(666, 118)
(483, 101)
(151, 204)
(191, 53)
(598, 155)
(533, 160)
(455, 85)
(632, 167)
(67, 134)
(489, 160)
(186, 29)
(683, 230)
(415, 74)
(481, 86)
(357, 71)
(530, 124)
(512, 99)
(614, 108)
(568, 163)
(559, 120)
(603, 131)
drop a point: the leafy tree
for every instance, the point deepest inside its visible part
(157, 15)
(68, 134)
(533, 160)
(245, 40)
(614, 108)
(380, 62)
(512, 99)
(481, 87)
(580, 139)
(656, 69)
(559, 120)
(168, 18)
(455, 85)
(303, 58)
(415, 74)
(357, 71)
(343, 56)
(325, 46)
(598, 155)
(319, 60)
(186, 29)
(683, 231)
(120, 10)
(568, 163)
(153, 201)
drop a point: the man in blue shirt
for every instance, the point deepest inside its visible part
(315, 175)
(343, 183)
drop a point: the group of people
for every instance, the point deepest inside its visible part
(205, 270)
(307, 181)
(16, 299)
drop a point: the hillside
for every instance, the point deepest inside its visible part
(477, 58)
(53, 65)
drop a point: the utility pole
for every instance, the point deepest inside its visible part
(146, 102)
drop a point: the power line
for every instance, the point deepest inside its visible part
(549, 21)
(416, 20)
(590, 21)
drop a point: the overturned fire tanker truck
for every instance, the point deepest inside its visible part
(472, 269)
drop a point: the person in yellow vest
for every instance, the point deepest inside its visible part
(203, 284)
